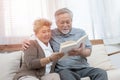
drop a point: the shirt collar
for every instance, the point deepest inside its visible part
(42, 44)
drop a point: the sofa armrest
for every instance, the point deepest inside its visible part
(116, 52)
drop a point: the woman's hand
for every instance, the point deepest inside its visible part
(55, 56)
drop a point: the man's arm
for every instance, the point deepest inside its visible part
(81, 51)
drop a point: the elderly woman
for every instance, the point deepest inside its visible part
(39, 59)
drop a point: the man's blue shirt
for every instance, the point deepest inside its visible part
(72, 61)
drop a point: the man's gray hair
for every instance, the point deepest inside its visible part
(62, 11)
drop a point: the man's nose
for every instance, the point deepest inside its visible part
(65, 24)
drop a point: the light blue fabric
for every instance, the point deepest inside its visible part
(73, 61)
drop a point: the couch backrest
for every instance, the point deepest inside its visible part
(16, 47)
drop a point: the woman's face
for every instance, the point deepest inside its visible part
(44, 34)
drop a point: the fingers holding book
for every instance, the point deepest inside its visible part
(55, 56)
(77, 51)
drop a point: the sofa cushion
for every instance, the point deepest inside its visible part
(113, 74)
(115, 60)
(9, 64)
(99, 58)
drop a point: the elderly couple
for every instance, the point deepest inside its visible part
(41, 55)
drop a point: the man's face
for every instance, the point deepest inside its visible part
(64, 23)
(44, 34)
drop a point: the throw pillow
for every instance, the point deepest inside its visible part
(99, 58)
(9, 64)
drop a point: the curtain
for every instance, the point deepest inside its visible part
(17, 17)
(106, 20)
(20, 15)
(99, 18)
(113, 17)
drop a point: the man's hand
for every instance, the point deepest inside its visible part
(56, 56)
(81, 51)
(77, 51)
(25, 44)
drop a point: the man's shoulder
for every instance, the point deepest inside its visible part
(77, 30)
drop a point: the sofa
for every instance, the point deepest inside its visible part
(11, 57)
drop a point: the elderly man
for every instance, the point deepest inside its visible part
(75, 66)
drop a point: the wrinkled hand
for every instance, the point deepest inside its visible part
(55, 56)
(77, 51)
(25, 44)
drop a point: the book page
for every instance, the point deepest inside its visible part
(69, 45)
(67, 48)
(81, 40)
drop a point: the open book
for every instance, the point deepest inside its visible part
(69, 45)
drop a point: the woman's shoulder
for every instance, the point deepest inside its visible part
(33, 43)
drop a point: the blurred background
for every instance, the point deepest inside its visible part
(99, 18)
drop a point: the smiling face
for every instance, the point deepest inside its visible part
(42, 30)
(44, 34)
(63, 18)
(64, 23)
